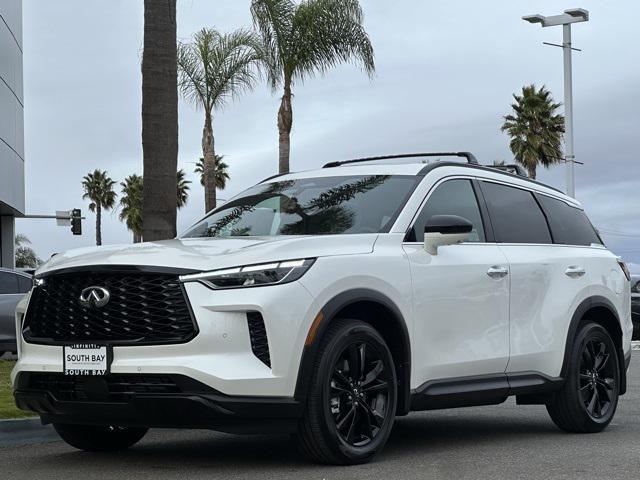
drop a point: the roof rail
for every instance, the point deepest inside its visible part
(511, 168)
(471, 159)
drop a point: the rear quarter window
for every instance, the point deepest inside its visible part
(569, 225)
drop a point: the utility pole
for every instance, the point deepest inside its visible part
(570, 16)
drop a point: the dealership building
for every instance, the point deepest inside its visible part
(11, 127)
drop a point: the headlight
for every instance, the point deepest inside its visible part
(274, 273)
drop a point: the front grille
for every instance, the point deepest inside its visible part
(119, 388)
(258, 337)
(144, 308)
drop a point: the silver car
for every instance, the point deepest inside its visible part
(13, 286)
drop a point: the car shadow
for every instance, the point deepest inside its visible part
(424, 434)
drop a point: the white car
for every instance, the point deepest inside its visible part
(329, 302)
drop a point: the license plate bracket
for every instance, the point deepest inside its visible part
(87, 359)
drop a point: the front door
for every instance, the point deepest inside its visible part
(461, 295)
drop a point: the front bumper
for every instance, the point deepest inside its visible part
(221, 355)
(160, 401)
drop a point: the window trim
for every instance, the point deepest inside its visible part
(16, 276)
(484, 214)
(533, 193)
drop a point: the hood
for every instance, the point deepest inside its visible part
(204, 254)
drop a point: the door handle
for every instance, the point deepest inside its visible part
(497, 271)
(574, 271)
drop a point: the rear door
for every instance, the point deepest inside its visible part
(548, 280)
(461, 295)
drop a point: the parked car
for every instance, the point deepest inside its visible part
(635, 305)
(13, 286)
(329, 302)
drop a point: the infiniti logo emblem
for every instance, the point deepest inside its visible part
(94, 297)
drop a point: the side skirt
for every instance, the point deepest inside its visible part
(530, 388)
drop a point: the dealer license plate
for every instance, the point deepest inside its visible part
(86, 359)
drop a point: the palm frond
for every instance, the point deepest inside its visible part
(327, 33)
(274, 21)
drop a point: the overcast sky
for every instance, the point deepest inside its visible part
(445, 74)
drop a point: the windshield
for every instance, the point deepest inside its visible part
(311, 206)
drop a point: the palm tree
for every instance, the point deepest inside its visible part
(213, 68)
(222, 172)
(98, 187)
(183, 188)
(535, 129)
(159, 119)
(131, 201)
(301, 40)
(131, 205)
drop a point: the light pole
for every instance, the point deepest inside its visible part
(574, 15)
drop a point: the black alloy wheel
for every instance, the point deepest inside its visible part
(359, 393)
(588, 399)
(351, 404)
(597, 383)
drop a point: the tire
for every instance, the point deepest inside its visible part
(593, 367)
(351, 404)
(99, 439)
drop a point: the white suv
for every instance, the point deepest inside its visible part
(329, 302)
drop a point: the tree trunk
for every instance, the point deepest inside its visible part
(136, 238)
(98, 224)
(532, 172)
(209, 165)
(285, 120)
(159, 120)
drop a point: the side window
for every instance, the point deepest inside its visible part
(515, 215)
(24, 284)
(8, 283)
(569, 225)
(453, 197)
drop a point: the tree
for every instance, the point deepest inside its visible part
(183, 189)
(535, 129)
(299, 41)
(98, 187)
(221, 172)
(215, 67)
(131, 205)
(131, 201)
(25, 256)
(159, 119)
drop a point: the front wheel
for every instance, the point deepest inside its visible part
(589, 397)
(99, 439)
(352, 399)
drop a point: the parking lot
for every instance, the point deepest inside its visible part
(503, 441)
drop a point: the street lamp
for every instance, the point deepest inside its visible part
(573, 15)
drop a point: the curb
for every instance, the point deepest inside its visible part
(26, 431)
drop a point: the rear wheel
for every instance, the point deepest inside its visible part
(589, 397)
(99, 439)
(352, 399)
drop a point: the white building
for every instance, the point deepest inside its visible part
(11, 126)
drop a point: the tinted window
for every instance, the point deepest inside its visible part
(8, 283)
(453, 197)
(24, 283)
(515, 215)
(569, 225)
(311, 206)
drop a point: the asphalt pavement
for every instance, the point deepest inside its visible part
(498, 442)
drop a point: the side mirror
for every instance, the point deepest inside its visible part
(445, 230)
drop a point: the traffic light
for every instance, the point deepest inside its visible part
(76, 221)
